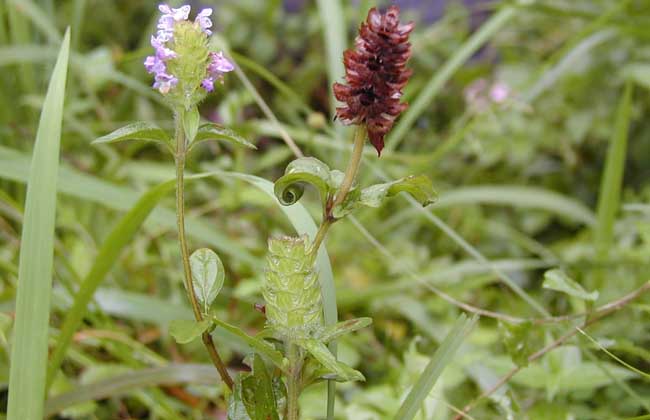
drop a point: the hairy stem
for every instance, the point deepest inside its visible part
(346, 186)
(185, 256)
(293, 381)
(353, 165)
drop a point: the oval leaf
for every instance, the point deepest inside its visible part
(419, 187)
(558, 280)
(191, 119)
(211, 131)
(207, 276)
(185, 331)
(306, 170)
(136, 131)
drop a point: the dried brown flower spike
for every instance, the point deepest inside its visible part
(376, 73)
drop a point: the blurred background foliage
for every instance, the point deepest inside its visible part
(516, 142)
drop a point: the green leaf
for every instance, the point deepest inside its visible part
(30, 343)
(212, 131)
(119, 237)
(258, 394)
(609, 195)
(322, 354)
(419, 187)
(557, 279)
(335, 331)
(207, 276)
(191, 119)
(306, 170)
(185, 331)
(442, 357)
(237, 410)
(136, 131)
(260, 346)
(517, 340)
(125, 383)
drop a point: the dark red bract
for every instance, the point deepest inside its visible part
(376, 73)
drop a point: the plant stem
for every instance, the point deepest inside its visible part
(353, 165)
(185, 256)
(346, 186)
(293, 381)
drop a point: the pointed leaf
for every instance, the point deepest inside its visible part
(207, 276)
(307, 170)
(211, 131)
(335, 331)
(237, 410)
(258, 394)
(29, 349)
(136, 131)
(185, 330)
(417, 186)
(260, 346)
(558, 280)
(191, 119)
(321, 353)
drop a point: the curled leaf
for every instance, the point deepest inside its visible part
(307, 170)
(212, 131)
(207, 276)
(136, 131)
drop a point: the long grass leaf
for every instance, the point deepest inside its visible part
(442, 357)
(111, 249)
(13, 165)
(438, 80)
(334, 30)
(122, 384)
(29, 349)
(609, 196)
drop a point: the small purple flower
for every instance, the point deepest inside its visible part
(203, 20)
(207, 84)
(499, 92)
(164, 82)
(162, 52)
(216, 68)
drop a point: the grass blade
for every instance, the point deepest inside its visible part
(123, 384)
(437, 81)
(442, 357)
(333, 24)
(29, 350)
(610, 188)
(108, 254)
(13, 165)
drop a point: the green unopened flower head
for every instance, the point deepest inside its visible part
(183, 65)
(291, 289)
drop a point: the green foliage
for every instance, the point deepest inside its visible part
(558, 280)
(551, 180)
(29, 346)
(185, 331)
(208, 276)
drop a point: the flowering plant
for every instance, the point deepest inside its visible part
(291, 352)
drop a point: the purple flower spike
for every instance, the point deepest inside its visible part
(203, 19)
